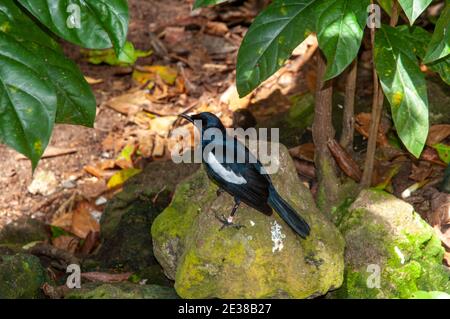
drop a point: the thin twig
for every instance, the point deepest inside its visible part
(377, 107)
(348, 123)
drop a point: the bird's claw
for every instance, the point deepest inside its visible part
(228, 222)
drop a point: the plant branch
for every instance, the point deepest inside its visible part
(348, 122)
(377, 108)
(322, 132)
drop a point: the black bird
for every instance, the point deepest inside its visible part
(242, 175)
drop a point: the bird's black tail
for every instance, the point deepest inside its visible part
(289, 215)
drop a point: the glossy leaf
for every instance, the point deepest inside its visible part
(94, 24)
(271, 39)
(443, 151)
(38, 85)
(419, 38)
(439, 46)
(386, 5)
(205, 3)
(128, 55)
(404, 86)
(414, 8)
(340, 28)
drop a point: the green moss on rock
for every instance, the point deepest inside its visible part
(122, 290)
(383, 231)
(21, 276)
(265, 259)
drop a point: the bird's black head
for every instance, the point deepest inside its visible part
(205, 119)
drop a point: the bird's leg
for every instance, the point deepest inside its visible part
(227, 222)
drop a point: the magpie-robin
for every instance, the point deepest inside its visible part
(235, 170)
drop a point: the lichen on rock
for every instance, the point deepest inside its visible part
(121, 290)
(264, 259)
(21, 276)
(390, 251)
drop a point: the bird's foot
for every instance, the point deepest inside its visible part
(228, 222)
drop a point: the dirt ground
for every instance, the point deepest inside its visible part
(201, 48)
(146, 16)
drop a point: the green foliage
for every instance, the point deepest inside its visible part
(414, 8)
(404, 86)
(439, 46)
(339, 25)
(270, 40)
(38, 84)
(104, 22)
(127, 56)
(205, 3)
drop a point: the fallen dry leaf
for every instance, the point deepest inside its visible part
(95, 171)
(438, 133)
(69, 243)
(362, 125)
(216, 28)
(304, 152)
(82, 220)
(162, 125)
(344, 160)
(92, 80)
(129, 103)
(92, 188)
(420, 172)
(231, 98)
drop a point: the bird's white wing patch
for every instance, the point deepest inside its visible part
(226, 174)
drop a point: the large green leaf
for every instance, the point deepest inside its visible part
(270, 40)
(94, 24)
(419, 39)
(205, 3)
(39, 85)
(340, 28)
(414, 8)
(27, 98)
(439, 46)
(76, 102)
(386, 5)
(404, 86)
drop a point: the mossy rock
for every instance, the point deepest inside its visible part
(385, 236)
(24, 231)
(265, 259)
(122, 290)
(126, 242)
(21, 276)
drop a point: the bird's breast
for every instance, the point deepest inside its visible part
(223, 172)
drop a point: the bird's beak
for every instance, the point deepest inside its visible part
(187, 117)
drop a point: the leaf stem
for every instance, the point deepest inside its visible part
(348, 122)
(377, 107)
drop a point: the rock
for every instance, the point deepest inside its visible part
(265, 259)
(390, 251)
(44, 183)
(126, 242)
(122, 290)
(21, 276)
(24, 231)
